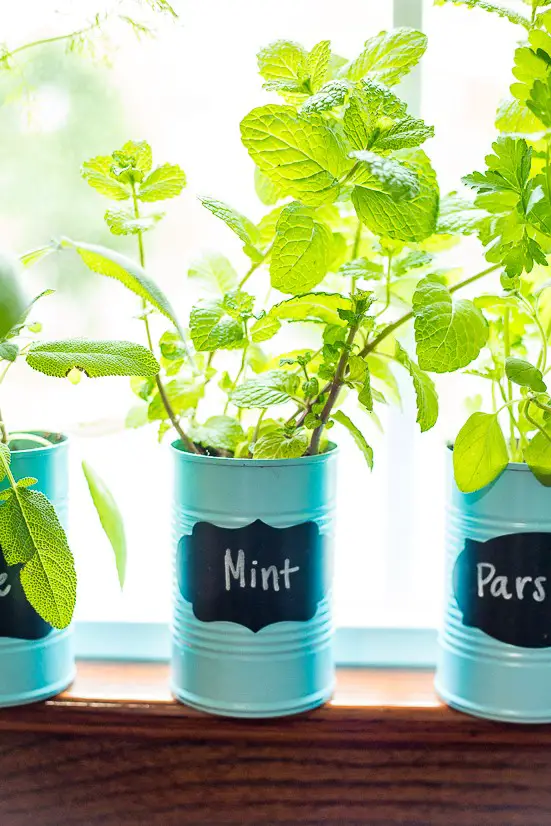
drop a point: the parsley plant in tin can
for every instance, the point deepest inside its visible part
(348, 251)
(495, 647)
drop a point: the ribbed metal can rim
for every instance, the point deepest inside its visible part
(223, 461)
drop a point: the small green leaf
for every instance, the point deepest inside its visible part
(167, 181)
(302, 158)
(365, 396)
(522, 372)
(538, 457)
(405, 133)
(97, 173)
(94, 358)
(267, 191)
(183, 395)
(277, 444)
(300, 254)
(357, 435)
(211, 328)
(458, 216)
(270, 388)
(5, 460)
(388, 56)
(385, 175)
(218, 432)
(121, 222)
(479, 453)
(109, 516)
(412, 220)
(13, 303)
(331, 95)
(317, 64)
(449, 335)
(8, 351)
(283, 62)
(243, 228)
(425, 391)
(264, 328)
(319, 307)
(31, 534)
(215, 272)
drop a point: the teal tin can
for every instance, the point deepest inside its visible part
(252, 630)
(495, 646)
(36, 660)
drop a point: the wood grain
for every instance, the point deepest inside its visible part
(115, 750)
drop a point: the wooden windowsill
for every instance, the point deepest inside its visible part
(116, 749)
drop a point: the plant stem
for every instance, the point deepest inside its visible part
(507, 353)
(334, 389)
(160, 387)
(3, 431)
(254, 266)
(46, 40)
(370, 346)
(258, 423)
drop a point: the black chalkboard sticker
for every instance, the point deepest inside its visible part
(503, 587)
(255, 576)
(18, 619)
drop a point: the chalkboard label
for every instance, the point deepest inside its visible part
(503, 587)
(18, 619)
(255, 576)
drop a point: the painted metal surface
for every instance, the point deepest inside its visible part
(477, 673)
(224, 667)
(32, 670)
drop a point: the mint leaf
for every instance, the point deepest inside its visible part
(388, 56)
(215, 272)
(405, 133)
(283, 64)
(458, 216)
(167, 181)
(243, 228)
(31, 534)
(109, 516)
(267, 191)
(94, 358)
(522, 372)
(479, 453)
(317, 64)
(319, 307)
(411, 220)
(302, 158)
(299, 258)
(218, 432)
(332, 94)
(139, 152)
(121, 222)
(97, 172)
(277, 444)
(183, 395)
(501, 11)
(264, 328)
(357, 127)
(449, 335)
(357, 435)
(211, 328)
(8, 351)
(385, 175)
(361, 268)
(270, 388)
(514, 117)
(538, 457)
(425, 391)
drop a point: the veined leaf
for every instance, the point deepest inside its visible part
(479, 453)
(270, 388)
(215, 272)
(357, 435)
(332, 94)
(114, 265)
(302, 158)
(317, 64)
(264, 328)
(405, 133)
(243, 228)
(121, 222)
(321, 307)
(94, 358)
(109, 516)
(277, 444)
(388, 56)
(183, 395)
(218, 432)
(300, 252)
(425, 391)
(212, 328)
(538, 456)
(31, 535)
(385, 175)
(283, 61)
(13, 302)
(97, 173)
(412, 220)
(449, 334)
(167, 181)
(267, 191)
(458, 216)
(522, 372)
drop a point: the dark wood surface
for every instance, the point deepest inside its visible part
(116, 751)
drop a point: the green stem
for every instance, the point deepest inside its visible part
(46, 40)
(534, 422)
(3, 431)
(160, 386)
(254, 266)
(371, 346)
(387, 285)
(533, 313)
(258, 423)
(509, 385)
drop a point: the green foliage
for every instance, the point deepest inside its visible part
(12, 300)
(479, 453)
(279, 444)
(242, 227)
(425, 391)
(93, 358)
(109, 516)
(357, 435)
(300, 253)
(215, 272)
(218, 432)
(522, 372)
(387, 57)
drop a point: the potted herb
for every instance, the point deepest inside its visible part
(349, 251)
(495, 658)
(37, 572)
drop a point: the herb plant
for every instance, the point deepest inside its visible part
(348, 248)
(514, 199)
(31, 535)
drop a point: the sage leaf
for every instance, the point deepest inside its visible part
(449, 334)
(357, 435)
(109, 516)
(94, 358)
(425, 391)
(479, 453)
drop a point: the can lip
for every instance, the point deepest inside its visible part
(222, 461)
(514, 466)
(60, 441)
